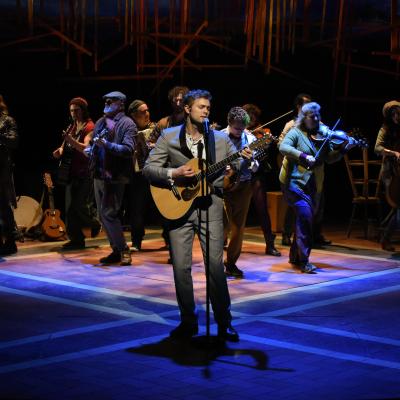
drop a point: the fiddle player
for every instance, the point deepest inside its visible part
(388, 145)
(288, 224)
(302, 176)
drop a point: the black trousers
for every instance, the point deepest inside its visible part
(80, 211)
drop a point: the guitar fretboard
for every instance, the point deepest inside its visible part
(212, 169)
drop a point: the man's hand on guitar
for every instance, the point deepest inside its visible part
(102, 142)
(184, 170)
(58, 152)
(247, 153)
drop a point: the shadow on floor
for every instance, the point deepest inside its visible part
(189, 353)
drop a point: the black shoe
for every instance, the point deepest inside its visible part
(286, 240)
(322, 241)
(73, 245)
(113, 257)
(8, 248)
(136, 247)
(272, 251)
(94, 232)
(126, 258)
(184, 331)
(308, 268)
(233, 270)
(227, 333)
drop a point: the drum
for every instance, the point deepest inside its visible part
(28, 212)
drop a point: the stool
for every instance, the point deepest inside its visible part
(276, 209)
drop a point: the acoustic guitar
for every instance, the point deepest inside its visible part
(52, 226)
(232, 178)
(174, 201)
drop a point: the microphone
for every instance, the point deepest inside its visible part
(206, 124)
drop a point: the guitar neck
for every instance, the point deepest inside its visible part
(51, 199)
(222, 164)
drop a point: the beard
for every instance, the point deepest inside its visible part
(111, 108)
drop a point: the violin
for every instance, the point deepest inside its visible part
(337, 138)
(261, 132)
(327, 136)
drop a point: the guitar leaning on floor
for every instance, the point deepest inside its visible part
(52, 227)
(174, 201)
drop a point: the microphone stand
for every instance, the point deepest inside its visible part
(207, 232)
(207, 341)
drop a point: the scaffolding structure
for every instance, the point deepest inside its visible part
(162, 36)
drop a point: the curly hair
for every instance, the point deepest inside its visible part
(193, 95)
(238, 114)
(174, 92)
(308, 108)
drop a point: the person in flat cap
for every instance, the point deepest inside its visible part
(139, 187)
(73, 172)
(111, 155)
(8, 143)
(388, 146)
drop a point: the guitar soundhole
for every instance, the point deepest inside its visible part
(189, 192)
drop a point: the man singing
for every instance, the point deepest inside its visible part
(167, 162)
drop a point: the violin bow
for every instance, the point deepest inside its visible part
(317, 155)
(272, 120)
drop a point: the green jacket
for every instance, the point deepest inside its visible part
(294, 171)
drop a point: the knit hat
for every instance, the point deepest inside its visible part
(133, 107)
(388, 106)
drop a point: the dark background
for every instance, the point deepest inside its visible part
(37, 86)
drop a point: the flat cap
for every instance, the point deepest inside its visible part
(115, 95)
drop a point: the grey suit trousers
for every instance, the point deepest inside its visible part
(181, 236)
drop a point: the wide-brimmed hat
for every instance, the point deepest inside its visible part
(388, 106)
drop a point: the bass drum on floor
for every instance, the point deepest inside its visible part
(28, 213)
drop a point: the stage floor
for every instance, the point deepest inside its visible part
(72, 329)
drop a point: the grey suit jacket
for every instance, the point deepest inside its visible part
(171, 151)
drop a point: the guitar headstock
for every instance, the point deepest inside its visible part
(262, 141)
(47, 180)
